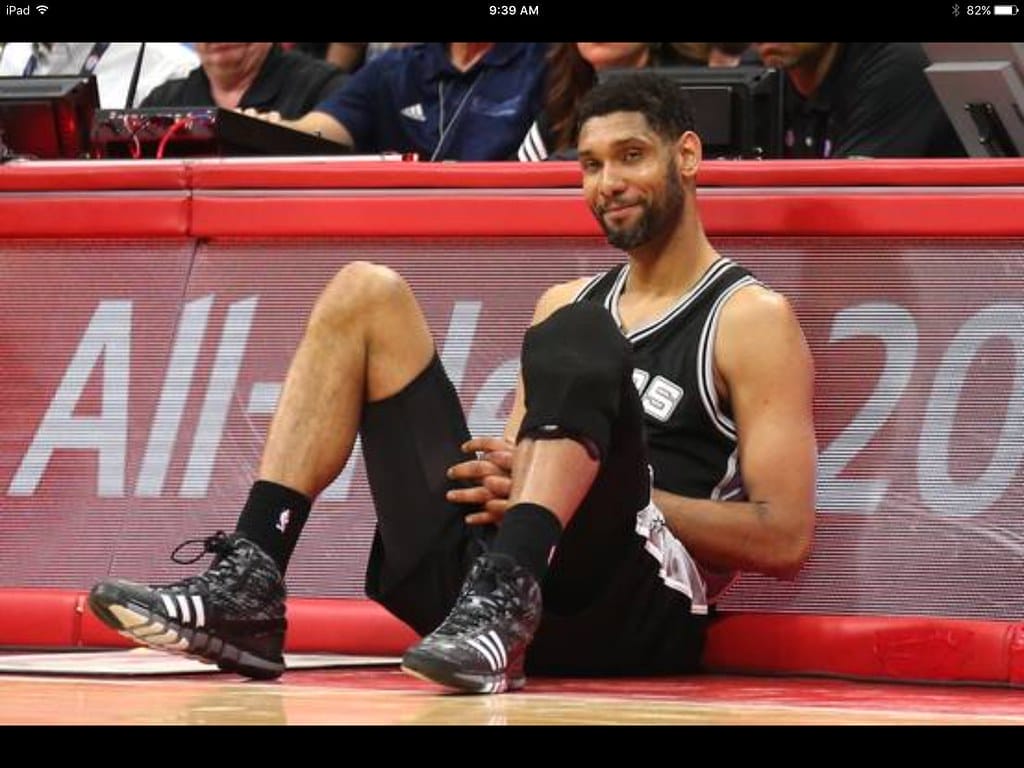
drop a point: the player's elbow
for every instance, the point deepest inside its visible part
(792, 549)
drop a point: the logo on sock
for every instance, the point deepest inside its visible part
(282, 521)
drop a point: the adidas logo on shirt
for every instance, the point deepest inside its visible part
(415, 112)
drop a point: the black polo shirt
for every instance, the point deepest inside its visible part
(875, 101)
(290, 83)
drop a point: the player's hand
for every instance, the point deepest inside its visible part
(271, 117)
(490, 471)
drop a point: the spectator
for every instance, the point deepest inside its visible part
(250, 75)
(112, 63)
(443, 101)
(716, 54)
(860, 100)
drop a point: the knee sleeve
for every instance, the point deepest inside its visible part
(575, 366)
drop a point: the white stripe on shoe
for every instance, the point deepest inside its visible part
(197, 604)
(502, 655)
(169, 606)
(186, 613)
(485, 650)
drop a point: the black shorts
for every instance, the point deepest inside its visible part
(606, 610)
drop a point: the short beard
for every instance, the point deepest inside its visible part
(655, 220)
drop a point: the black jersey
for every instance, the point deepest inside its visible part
(691, 436)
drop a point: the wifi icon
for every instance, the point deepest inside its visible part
(41, 9)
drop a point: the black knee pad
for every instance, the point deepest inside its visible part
(575, 367)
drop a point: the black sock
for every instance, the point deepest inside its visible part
(528, 535)
(273, 518)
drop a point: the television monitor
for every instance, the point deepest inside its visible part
(46, 117)
(738, 110)
(981, 89)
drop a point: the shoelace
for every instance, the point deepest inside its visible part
(220, 544)
(481, 607)
(476, 608)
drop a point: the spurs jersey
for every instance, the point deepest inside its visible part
(691, 436)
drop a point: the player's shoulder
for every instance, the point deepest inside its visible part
(756, 302)
(560, 294)
(758, 324)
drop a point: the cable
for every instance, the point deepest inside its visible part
(181, 122)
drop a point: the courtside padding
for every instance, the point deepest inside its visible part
(880, 648)
(889, 544)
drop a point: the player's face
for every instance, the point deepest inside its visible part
(630, 179)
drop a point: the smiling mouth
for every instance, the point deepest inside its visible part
(619, 209)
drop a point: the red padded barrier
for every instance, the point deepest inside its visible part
(110, 174)
(213, 174)
(155, 214)
(355, 174)
(39, 617)
(276, 215)
(922, 648)
(930, 172)
(95, 634)
(929, 649)
(540, 213)
(332, 173)
(345, 626)
(863, 214)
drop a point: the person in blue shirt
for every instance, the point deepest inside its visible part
(442, 101)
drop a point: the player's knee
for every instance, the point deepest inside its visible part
(580, 340)
(576, 367)
(360, 288)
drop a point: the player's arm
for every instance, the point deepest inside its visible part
(765, 369)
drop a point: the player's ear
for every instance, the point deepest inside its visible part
(690, 152)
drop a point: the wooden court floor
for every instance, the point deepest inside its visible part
(386, 696)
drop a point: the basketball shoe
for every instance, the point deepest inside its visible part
(233, 614)
(481, 646)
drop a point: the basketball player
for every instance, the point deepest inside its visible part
(661, 440)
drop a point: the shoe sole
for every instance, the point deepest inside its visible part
(443, 674)
(138, 623)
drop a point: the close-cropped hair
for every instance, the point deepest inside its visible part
(661, 101)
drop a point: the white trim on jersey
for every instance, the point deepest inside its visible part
(705, 362)
(586, 288)
(612, 302)
(730, 473)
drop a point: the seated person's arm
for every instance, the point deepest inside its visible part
(323, 125)
(763, 363)
(346, 115)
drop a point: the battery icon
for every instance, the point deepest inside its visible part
(1005, 10)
